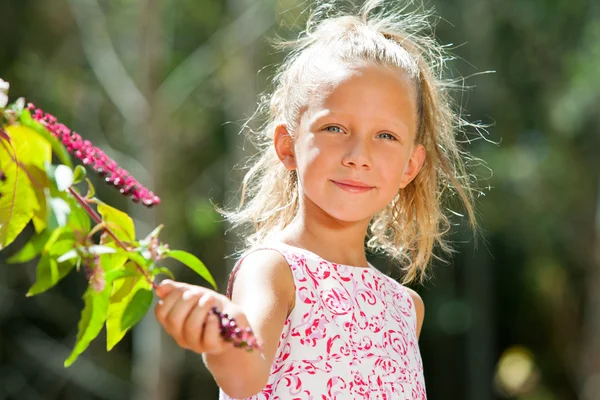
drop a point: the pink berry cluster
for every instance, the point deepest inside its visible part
(230, 332)
(94, 157)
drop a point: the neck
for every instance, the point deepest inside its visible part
(337, 241)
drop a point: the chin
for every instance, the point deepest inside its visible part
(349, 215)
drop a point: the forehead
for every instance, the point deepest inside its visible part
(367, 92)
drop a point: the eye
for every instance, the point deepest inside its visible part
(386, 135)
(333, 128)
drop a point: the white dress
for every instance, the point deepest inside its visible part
(351, 335)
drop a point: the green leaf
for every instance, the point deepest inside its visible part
(93, 316)
(39, 149)
(139, 260)
(162, 270)
(18, 203)
(137, 308)
(91, 190)
(79, 220)
(79, 174)
(40, 214)
(124, 287)
(126, 308)
(37, 154)
(120, 274)
(56, 146)
(62, 233)
(113, 261)
(194, 263)
(50, 272)
(31, 248)
(120, 223)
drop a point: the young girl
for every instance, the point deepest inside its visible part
(359, 144)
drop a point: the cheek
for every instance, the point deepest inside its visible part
(308, 159)
(393, 170)
(313, 156)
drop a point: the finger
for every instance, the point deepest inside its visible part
(164, 306)
(211, 335)
(194, 324)
(179, 313)
(168, 285)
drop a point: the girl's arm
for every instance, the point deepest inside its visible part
(264, 291)
(419, 309)
(262, 296)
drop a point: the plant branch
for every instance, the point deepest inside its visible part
(98, 220)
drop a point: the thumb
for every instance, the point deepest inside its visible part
(165, 287)
(212, 342)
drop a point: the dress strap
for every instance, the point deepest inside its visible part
(232, 275)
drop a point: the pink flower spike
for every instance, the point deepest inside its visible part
(85, 151)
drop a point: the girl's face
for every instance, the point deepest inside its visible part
(354, 147)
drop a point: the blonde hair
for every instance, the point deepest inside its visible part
(414, 222)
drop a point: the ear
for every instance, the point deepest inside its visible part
(417, 158)
(284, 146)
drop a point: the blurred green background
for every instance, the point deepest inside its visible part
(163, 87)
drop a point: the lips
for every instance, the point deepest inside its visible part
(353, 186)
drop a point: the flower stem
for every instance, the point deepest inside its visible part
(98, 220)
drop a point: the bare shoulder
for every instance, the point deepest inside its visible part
(267, 272)
(419, 308)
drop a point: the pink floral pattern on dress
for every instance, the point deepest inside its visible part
(351, 335)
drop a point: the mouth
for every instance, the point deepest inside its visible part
(353, 186)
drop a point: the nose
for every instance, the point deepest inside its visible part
(358, 154)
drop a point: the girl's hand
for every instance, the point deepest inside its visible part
(184, 311)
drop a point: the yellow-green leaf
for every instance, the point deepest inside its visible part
(92, 319)
(18, 202)
(123, 312)
(137, 308)
(39, 149)
(194, 263)
(114, 261)
(79, 174)
(162, 270)
(33, 152)
(31, 248)
(62, 233)
(118, 274)
(79, 220)
(139, 259)
(49, 273)
(123, 288)
(91, 190)
(40, 214)
(119, 222)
